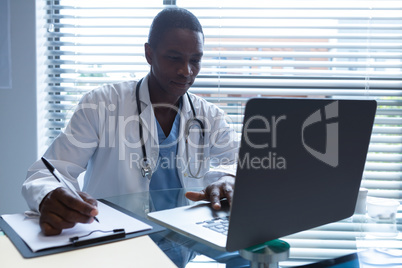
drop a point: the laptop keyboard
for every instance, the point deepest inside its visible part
(219, 224)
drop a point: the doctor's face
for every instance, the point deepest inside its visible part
(175, 62)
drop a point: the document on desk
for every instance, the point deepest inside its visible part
(109, 219)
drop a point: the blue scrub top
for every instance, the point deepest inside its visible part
(166, 175)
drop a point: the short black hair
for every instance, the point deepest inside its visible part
(172, 18)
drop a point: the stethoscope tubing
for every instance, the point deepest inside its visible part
(146, 169)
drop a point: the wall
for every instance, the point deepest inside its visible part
(18, 121)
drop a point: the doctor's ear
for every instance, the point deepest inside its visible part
(148, 53)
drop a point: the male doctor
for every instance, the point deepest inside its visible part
(139, 136)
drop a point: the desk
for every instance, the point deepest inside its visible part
(136, 252)
(353, 240)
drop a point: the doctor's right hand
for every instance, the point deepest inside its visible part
(62, 210)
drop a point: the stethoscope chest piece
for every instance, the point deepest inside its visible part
(146, 171)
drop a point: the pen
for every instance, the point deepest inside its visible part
(61, 179)
(31, 214)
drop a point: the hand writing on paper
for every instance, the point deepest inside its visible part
(222, 188)
(60, 209)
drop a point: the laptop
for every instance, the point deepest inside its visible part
(300, 166)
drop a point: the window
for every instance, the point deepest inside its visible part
(325, 48)
(293, 48)
(328, 48)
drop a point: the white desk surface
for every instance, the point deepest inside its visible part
(136, 252)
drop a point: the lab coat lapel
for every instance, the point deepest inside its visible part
(147, 117)
(186, 114)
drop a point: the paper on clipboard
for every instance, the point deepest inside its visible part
(109, 219)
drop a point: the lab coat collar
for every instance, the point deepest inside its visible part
(186, 107)
(144, 92)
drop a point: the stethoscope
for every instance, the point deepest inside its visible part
(146, 170)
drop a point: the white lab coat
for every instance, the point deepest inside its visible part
(102, 138)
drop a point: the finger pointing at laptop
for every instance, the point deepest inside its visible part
(222, 188)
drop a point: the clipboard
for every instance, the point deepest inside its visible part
(26, 252)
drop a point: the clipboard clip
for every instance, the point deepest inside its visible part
(116, 233)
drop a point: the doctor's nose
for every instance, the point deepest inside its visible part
(185, 70)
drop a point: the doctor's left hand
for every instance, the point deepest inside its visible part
(222, 188)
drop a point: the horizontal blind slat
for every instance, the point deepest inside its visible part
(241, 44)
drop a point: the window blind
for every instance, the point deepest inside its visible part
(326, 48)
